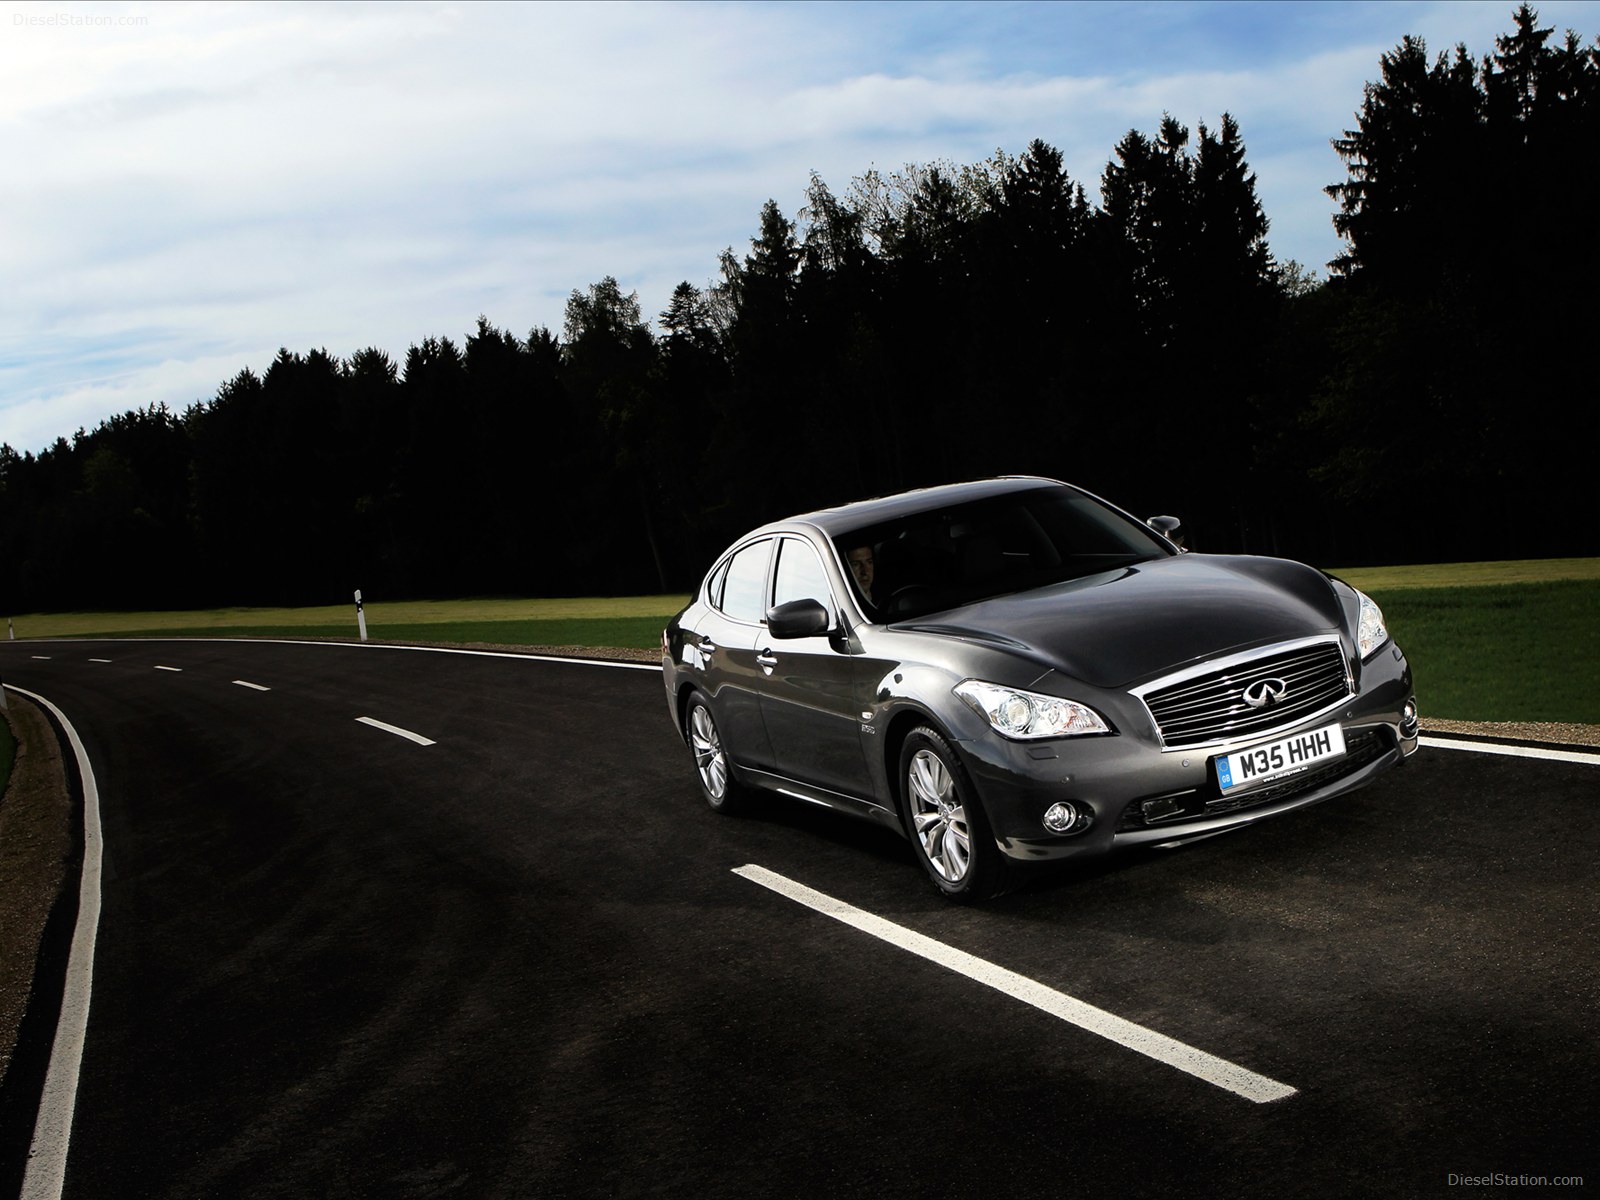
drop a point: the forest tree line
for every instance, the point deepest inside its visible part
(1431, 401)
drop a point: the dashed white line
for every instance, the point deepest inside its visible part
(42, 657)
(100, 660)
(397, 731)
(372, 647)
(255, 687)
(174, 670)
(1208, 1067)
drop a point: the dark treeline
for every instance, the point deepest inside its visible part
(1431, 401)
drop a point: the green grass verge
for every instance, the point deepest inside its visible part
(435, 618)
(640, 633)
(1511, 652)
(1429, 575)
(1506, 641)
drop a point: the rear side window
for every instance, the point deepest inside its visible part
(744, 594)
(714, 584)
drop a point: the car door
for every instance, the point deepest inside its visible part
(726, 645)
(810, 692)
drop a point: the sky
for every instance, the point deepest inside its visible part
(186, 188)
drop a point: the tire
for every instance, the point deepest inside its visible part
(949, 830)
(720, 790)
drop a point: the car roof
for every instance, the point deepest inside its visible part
(847, 517)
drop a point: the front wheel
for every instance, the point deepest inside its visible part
(947, 823)
(717, 784)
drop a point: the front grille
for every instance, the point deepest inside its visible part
(1210, 706)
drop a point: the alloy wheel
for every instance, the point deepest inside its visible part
(939, 817)
(709, 759)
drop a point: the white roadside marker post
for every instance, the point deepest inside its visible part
(361, 616)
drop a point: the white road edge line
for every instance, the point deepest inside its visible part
(1213, 1070)
(255, 687)
(397, 731)
(47, 1157)
(1571, 756)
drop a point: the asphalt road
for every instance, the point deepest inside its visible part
(333, 961)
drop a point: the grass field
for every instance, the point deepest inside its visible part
(1496, 641)
(1480, 574)
(1504, 641)
(1506, 652)
(627, 621)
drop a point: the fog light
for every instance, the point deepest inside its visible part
(1066, 817)
(1408, 718)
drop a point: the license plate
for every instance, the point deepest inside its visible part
(1286, 756)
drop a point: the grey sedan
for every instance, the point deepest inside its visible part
(1013, 672)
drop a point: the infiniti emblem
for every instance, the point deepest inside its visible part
(1264, 693)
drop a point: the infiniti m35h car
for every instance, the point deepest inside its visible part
(1014, 671)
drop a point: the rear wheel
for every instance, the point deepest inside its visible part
(717, 784)
(946, 821)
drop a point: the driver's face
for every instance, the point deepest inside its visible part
(861, 567)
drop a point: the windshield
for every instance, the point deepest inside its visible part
(940, 559)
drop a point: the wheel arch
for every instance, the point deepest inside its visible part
(680, 703)
(894, 739)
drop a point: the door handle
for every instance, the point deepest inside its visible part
(767, 660)
(706, 646)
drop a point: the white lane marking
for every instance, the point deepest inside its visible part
(42, 657)
(47, 1156)
(1208, 1067)
(256, 687)
(397, 731)
(1571, 756)
(174, 670)
(553, 658)
(104, 660)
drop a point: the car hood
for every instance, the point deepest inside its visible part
(1124, 626)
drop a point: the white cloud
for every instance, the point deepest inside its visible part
(185, 195)
(86, 401)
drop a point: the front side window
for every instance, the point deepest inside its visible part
(744, 592)
(801, 575)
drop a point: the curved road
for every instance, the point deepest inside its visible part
(518, 961)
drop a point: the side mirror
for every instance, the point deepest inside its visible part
(1169, 528)
(798, 619)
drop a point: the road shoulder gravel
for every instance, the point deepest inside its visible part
(36, 848)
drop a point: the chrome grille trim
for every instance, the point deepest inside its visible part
(1203, 705)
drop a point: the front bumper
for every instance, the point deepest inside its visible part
(1138, 793)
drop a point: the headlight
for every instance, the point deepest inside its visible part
(1372, 632)
(1018, 714)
